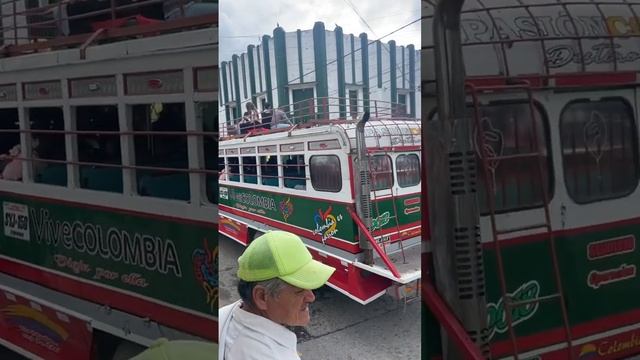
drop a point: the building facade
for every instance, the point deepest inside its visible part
(322, 74)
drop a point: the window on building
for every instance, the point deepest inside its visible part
(269, 170)
(99, 148)
(408, 170)
(401, 107)
(48, 146)
(294, 172)
(507, 129)
(233, 168)
(161, 151)
(381, 172)
(249, 170)
(599, 149)
(325, 172)
(353, 104)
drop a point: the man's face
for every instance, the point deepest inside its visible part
(290, 307)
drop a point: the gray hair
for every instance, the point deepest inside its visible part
(273, 288)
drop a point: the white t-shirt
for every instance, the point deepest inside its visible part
(246, 336)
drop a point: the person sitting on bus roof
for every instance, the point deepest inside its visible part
(266, 114)
(280, 119)
(191, 8)
(277, 274)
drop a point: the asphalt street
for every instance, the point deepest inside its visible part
(340, 328)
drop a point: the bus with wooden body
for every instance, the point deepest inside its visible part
(108, 185)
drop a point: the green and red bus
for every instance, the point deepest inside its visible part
(306, 178)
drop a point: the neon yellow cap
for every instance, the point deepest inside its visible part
(281, 254)
(163, 349)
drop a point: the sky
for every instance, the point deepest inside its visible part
(244, 22)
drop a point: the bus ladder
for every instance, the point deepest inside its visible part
(485, 158)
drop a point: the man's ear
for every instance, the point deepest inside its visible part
(260, 297)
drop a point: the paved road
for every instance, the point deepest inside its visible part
(340, 328)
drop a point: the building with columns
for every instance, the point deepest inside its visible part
(321, 74)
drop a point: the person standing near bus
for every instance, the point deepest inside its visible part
(276, 275)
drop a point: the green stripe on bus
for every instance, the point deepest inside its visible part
(280, 54)
(340, 65)
(364, 50)
(299, 38)
(267, 68)
(320, 59)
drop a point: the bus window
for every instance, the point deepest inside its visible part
(99, 148)
(325, 173)
(599, 150)
(508, 130)
(48, 146)
(381, 172)
(408, 169)
(269, 170)
(249, 170)
(294, 172)
(207, 114)
(10, 169)
(161, 151)
(233, 168)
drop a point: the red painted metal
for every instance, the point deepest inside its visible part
(373, 242)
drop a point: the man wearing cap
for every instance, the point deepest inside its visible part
(276, 275)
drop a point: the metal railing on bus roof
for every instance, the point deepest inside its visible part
(390, 125)
(591, 48)
(50, 27)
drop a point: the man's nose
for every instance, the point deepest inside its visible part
(309, 296)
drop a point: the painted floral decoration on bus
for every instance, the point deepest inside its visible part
(286, 208)
(34, 324)
(205, 263)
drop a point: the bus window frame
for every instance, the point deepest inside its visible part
(339, 172)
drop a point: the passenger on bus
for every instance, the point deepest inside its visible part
(251, 119)
(13, 164)
(191, 8)
(276, 275)
(266, 114)
(280, 119)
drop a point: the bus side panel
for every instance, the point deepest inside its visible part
(599, 276)
(316, 219)
(408, 208)
(156, 260)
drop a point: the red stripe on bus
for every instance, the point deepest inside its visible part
(180, 320)
(557, 335)
(352, 248)
(117, 210)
